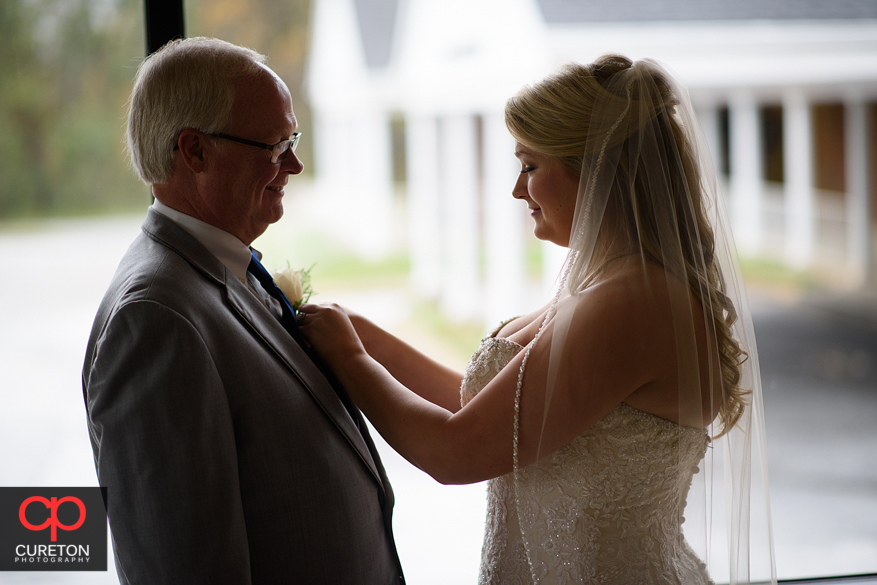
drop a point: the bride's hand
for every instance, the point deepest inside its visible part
(329, 331)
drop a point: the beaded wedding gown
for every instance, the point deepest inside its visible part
(605, 509)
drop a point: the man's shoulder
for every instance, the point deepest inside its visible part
(151, 271)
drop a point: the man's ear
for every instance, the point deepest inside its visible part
(194, 149)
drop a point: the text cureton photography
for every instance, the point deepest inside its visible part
(53, 529)
(52, 553)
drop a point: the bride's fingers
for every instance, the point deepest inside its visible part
(306, 310)
(330, 315)
(317, 308)
(328, 330)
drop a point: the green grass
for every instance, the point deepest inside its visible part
(351, 271)
(770, 273)
(334, 265)
(461, 337)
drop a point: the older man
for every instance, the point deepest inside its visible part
(228, 455)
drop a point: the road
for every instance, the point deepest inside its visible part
(818, 356)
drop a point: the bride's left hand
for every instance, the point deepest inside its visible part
(329, 331)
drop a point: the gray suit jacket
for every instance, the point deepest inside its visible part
(227, 456)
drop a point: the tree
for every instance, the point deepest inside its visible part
(65, 74)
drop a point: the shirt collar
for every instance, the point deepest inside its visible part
(232, 252)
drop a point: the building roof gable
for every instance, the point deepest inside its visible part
(377, 27)
(582, 11)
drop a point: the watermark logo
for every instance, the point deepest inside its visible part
(53, 529)
(53, 518)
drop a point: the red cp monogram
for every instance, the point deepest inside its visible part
(52, 506)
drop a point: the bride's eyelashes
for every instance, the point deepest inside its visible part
(527, 169)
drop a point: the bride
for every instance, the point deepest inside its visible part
(595, 418)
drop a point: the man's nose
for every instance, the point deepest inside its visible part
(291, 164)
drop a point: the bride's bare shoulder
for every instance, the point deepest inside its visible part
(630, 296)
(519, 327)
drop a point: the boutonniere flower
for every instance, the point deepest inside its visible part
(295, 284)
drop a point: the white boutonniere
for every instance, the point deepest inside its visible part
(295, 284)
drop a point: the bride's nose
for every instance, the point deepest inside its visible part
(519, 191)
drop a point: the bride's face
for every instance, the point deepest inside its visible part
(549, 189)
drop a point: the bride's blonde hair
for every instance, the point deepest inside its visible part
(556, 117)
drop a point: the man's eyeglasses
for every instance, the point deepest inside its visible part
(278, 151)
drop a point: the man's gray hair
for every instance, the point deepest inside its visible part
(188, 83)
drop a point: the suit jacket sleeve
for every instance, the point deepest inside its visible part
(166, 451)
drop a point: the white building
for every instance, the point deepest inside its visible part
(786, 92)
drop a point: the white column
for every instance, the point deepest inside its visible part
(708, 119)
(361, 186)
(424, 217)
(799, 172)
(857, 181)
(331, 167)
(505, 274)
(331, 154)
(370, 186)
(461, 274)
(746, 171)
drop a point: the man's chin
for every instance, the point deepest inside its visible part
(277, 212)
(273, 215)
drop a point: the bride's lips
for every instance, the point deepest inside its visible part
(535, 210)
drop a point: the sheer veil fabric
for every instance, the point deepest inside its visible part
(648, 202)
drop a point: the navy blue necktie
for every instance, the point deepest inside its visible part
(289, 323)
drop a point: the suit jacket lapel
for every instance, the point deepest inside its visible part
(265, 326)
(275, 336)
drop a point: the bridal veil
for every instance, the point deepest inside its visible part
(648, 197)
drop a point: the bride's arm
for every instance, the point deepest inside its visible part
(614, 349)
(429, 436)
(423, 375)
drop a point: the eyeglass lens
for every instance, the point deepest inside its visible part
(282, 149)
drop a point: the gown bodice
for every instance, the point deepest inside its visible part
(607, 508)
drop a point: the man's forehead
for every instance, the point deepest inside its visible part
(273, 75)
(264, 80)
(264, 93)
(263, 103)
